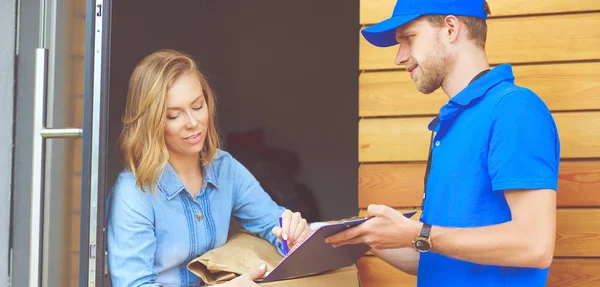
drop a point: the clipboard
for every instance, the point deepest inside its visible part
(313, 255)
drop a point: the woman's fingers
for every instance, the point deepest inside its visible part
(302, 229)
(294, 226)
(286, 218)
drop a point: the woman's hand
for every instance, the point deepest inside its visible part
(247, 279)
(293, 228)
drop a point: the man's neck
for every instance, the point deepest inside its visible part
(467, 65)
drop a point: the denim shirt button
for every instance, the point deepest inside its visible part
(199, 216)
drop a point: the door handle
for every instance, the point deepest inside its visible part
(62, 133)
(40, 134)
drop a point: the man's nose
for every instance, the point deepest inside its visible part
(403, 55)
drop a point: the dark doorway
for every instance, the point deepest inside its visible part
(286, 78)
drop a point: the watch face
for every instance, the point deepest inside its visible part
(422, 245)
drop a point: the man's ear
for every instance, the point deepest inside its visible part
(452, 28)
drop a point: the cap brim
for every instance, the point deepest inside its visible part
(383, 34)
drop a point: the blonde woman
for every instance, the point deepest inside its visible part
(174, 200)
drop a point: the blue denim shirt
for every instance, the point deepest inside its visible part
(152, 237)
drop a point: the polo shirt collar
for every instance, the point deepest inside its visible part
(479, 87)
(472, 92)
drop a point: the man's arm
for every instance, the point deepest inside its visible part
(525, 241)
(405, 259)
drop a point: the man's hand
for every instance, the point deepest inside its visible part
(388, 229)
(247, 279)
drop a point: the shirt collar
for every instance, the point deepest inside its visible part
(479, 87)
(170, 184)
(475, 90)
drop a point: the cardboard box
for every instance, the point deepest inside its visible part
(343, 277)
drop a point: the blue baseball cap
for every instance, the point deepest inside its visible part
(383, 34)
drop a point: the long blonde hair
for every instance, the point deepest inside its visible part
(143, 137)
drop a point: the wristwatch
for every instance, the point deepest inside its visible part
(423, 243)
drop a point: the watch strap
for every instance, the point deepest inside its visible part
(425, 231)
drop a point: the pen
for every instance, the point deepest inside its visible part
(285, 246)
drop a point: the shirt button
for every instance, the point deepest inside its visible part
(437, 143)
(199, 216)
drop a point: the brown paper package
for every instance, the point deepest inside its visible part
(245, 252)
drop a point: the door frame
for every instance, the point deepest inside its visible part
(93, 267)
(7, 84)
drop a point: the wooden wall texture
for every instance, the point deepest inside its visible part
(553, 46)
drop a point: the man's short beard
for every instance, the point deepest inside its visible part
(433, 69)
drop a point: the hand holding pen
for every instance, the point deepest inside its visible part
(284, 238)
(292, 229)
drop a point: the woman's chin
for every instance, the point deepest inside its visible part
(189, 150)
(195, 149)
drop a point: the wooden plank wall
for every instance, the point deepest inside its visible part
(553, 46)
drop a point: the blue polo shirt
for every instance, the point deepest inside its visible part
(492, 136)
